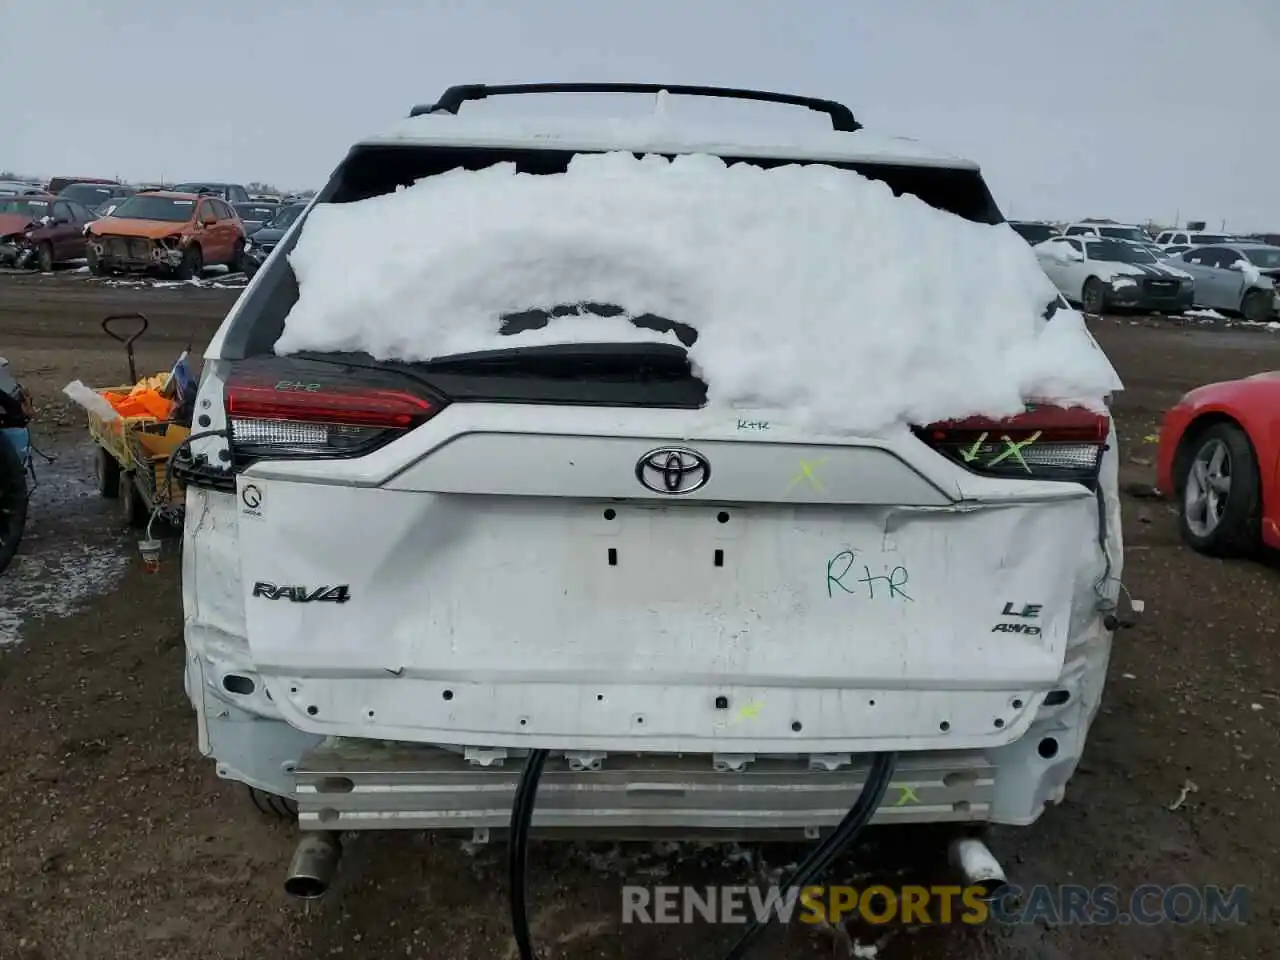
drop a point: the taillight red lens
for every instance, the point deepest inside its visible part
(354, 406)
(1047, 442)
(298, 419)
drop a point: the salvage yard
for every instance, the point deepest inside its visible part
(121, 842)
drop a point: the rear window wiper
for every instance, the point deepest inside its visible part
(537, 318)
(620, 362)
(593, 361)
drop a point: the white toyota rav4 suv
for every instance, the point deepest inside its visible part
(404, 583)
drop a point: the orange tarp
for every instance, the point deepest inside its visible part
(143, 400)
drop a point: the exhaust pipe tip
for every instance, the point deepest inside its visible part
(978, 868)
(989, 890)
(305, 888)
(314, 864)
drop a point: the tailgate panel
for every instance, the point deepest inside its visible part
(505, 620)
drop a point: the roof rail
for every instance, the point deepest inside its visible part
(452, 99)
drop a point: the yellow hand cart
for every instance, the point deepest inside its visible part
(132, 457)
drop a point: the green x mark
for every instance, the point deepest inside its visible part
(908, 796)
(808, 470)
(1015, 450)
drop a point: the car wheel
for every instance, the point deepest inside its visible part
(1256, 305)
(237, 262)
(13, 503)
(133, 511)
(95, 264)
(1094, 298)
(274, 805)
(1220, 493)
(192, 265)
(44, 258)
(106, 470)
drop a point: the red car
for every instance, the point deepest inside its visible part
(1219, 459)
(40, 231)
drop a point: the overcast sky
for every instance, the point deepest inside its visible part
(1134, 109)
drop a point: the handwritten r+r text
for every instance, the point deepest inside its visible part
(840, 567)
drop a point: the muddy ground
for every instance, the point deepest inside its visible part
(117, 840)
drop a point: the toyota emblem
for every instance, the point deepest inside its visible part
(673, 470)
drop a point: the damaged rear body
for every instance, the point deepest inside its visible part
(398, 577)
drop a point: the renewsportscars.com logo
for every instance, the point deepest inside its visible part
(1148, 904)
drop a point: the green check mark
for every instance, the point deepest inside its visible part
(972, 453)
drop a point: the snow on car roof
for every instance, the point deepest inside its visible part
(664, 134)
(813, 290)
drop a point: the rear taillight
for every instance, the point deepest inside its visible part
(289, 418)
(1047, 442)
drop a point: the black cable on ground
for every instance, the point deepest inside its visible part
(813, 866)
(521, 817)
(826, 853)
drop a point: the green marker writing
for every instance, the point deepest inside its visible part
(972, 452)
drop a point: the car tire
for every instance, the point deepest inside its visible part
(13, 503)
(44, 258)
(237, 262)
(1256, 306)
(192, 265)
(106, 470)
(1219, 493)
(274, 805)
(1093, 299)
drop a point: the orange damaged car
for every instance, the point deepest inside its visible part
(178, 234)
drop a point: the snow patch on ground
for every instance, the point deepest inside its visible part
(45, 584)
(1213, 316)
(219, 281)
(814, 291)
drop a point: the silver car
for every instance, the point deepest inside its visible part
(1239, 278)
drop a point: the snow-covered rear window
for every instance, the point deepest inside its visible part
(375, 170)
(811, 289)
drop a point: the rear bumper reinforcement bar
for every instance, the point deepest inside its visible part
(346, 784)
